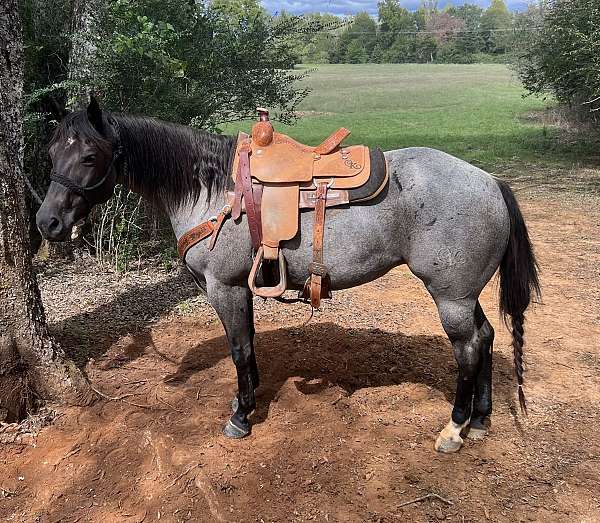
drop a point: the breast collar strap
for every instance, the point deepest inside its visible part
(91, 194)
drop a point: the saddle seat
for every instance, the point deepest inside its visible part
(275, 176)
(285, 160)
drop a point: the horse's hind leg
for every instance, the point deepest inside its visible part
(459, 321)
(482, 398)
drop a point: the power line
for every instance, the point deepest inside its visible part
(448, 31)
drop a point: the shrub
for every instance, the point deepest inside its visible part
(562, 57)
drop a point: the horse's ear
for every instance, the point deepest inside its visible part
(94, 113)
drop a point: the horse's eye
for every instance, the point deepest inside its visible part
(89, 159)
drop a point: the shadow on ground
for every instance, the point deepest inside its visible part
(321, 355)
(90, 334)
(325, 355)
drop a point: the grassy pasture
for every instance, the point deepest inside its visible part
(476, 112)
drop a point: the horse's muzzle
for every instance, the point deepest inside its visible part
(51, 226)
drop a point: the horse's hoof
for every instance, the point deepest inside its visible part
(232, 431)
(448, 445)
(449, 439)
(476, 433)
(478, 428)
(234, 405)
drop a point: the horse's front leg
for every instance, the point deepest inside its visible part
(234, 308)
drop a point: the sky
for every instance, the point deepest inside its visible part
(350, 7)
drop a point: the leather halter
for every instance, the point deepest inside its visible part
(92, 194)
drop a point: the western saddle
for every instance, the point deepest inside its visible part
(274, 177)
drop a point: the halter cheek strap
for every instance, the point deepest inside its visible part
(92, 194)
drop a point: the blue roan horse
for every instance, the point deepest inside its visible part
(453, 224)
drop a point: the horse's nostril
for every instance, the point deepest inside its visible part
(50, 224)
(54, 225)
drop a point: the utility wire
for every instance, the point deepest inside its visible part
(446, 31)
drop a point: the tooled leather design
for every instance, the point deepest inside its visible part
(194, 236)
(286, 161)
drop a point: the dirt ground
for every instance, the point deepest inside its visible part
(349, 405)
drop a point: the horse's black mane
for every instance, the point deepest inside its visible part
(165, 162)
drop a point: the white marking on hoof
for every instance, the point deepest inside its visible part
(449, 439)
(476, 434)
(232, 431)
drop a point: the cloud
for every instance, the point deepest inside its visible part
(351, 7)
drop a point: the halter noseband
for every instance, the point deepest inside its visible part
(93, 193)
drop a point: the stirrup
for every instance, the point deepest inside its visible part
(268, 292)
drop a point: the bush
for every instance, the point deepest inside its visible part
(562, 58)
(189, 63)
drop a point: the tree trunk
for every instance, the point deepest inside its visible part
(83, 24)
(83, 21)
(32, 367)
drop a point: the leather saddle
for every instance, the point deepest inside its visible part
(276, 176)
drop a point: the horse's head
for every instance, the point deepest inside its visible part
(84, 151)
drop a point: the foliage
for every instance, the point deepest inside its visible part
(240, 11)
(356, 53)
(470, 40)
(46, 37)
(442, 28)
(496, 23)
(394, 22)
(563, 57)
(357, 42)
(192, 64)
(313, 35)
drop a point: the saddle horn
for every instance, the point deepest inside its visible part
(262, 131)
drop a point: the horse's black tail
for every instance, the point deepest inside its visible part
(519, 281)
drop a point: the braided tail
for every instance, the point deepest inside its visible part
(519, 282)
(517, 345)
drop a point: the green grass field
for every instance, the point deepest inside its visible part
(476, 112)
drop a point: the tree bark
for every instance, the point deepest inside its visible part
(33, 368)
(83, 25)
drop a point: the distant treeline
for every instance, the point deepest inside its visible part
(455, 34)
